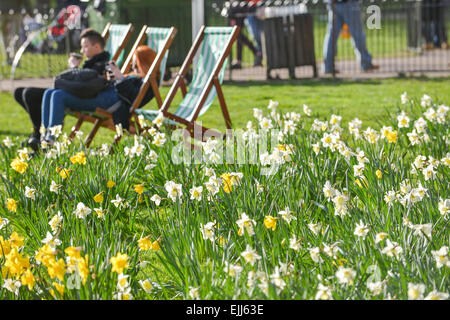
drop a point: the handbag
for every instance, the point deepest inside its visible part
(83, 83)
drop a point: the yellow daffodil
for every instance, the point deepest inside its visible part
(145, 243)
(227, 186)
(110, 184)
(64, 173)
(16, 263)
(28, 279)
(57, 269)
(119, 262)
(139, 188)
(11, 204)
(19, 165)
(5, 247)
(155, 245)
(98, 197)
(270, 222)
(16, 240)
(59, 287)
(392, 136)
(83, 268)
(73, 252)
(379, 174)
(79, 158)
(46, 255)
(339, 262)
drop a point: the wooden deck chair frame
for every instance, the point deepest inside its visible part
(103, 118)
(213, 80)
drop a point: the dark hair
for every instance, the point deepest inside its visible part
(93, 36)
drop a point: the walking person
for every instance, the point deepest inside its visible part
(236, 17)
(346, 12)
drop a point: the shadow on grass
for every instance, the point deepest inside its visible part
(314, 82)
(13, 133)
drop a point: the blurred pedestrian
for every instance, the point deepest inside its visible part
(433, 24)
(348, 12)
(236, 17)
(254, 25)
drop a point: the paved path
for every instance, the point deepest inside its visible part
(435, 63)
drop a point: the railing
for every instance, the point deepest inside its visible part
(396, 32)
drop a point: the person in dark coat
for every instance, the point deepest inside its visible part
(119, 94)
(30, 98)
(433, 23)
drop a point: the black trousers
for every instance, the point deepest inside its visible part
(31, 100)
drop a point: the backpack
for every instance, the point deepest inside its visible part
(82, 83)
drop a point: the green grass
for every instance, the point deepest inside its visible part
(365, 99)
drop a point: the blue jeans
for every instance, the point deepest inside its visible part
(56, 101)
(349, 13)
(254, 26)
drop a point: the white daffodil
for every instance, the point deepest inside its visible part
(416, 291)
(30, 193)
(208, 230)
(250, 255)
(286, 215)
(196, 193)
(324, 292)
(245, 223)
(392, 249)
(174, 190)
(441, 257)
(156, 199)
(345, 275)
(82, 211)
(361, 230)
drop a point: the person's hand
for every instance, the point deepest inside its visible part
(113, 71)
(73, 61)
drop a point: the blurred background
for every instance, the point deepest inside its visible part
(280, 39)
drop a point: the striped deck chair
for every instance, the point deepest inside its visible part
(156, 39)
(103, 118)
(213, 45)
(116, 37)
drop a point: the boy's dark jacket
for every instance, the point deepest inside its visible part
(127, 90)
(98, 62)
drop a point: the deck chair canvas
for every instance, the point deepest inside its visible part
(103, 118)
(156, 40)
(116, 38)
(213, 45)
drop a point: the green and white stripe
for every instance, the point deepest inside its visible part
(155, 39)
(211, 50)
(117, 34)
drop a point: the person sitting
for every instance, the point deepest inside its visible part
(121, 88)
(30, 98)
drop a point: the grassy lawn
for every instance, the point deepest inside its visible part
(343, 214)
(366, 100)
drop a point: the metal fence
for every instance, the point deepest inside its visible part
(402, 36)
